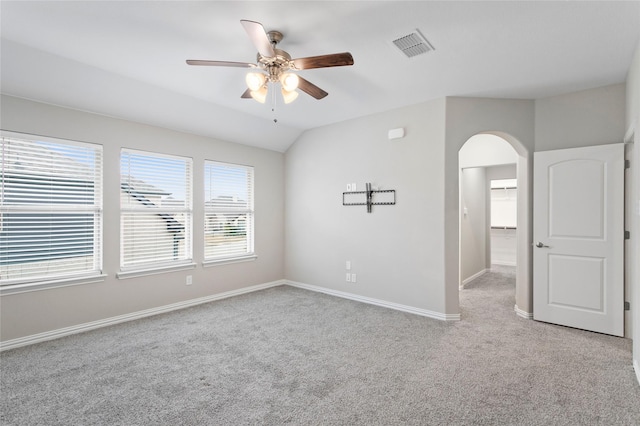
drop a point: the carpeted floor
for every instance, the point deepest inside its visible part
(290, 356)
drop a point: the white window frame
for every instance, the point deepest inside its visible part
(55, 161)
(222, 188)
(140, 204)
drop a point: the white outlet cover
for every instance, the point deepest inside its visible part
(353, 278)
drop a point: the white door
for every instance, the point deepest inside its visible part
(578, 258)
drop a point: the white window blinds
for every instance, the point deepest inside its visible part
(156, 210)
(228, 211)
(51, 209)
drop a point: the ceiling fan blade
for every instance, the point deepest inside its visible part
(310, 88)
(259, 38)
(220, 63)
(246, 94)
(324, 61)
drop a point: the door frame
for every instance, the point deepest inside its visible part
(632, 271)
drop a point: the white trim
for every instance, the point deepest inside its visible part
(629, 134)
(80, 328)
(473, 277)
(636, 367)
(50, 139)
(503, 263)
(521, 313)
(46, 285)
(228, 260)
(152, 271)
(377, 302)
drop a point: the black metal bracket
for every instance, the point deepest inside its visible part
(369, 195)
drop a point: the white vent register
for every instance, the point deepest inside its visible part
(413, 44)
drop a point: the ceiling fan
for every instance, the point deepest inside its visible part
(274, 66)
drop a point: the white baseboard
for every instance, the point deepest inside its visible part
(503, 263)
(636, 367)
(80, 328)
(521, 313)
(473, 277)
(377, 302)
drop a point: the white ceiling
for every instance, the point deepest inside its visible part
(127, 58)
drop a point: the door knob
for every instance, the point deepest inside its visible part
(540, 245)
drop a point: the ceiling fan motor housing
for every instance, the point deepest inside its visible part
(275, 65)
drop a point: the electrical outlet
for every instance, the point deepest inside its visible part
(348, 265)
(348, 277)
(189, 279)
(353, 187)
(353, 278)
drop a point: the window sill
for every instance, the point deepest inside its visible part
(153, 271)
(229, 260)
(47, 285)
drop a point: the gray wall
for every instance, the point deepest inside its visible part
(401, 254)
(396, 251)
(589, 117)
(323, 161)
(505, 171)
(633, 91)
(474, 244)
(44, 310)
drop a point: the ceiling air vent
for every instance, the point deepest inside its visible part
(413, 44)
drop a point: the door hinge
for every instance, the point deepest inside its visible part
(627, 164)
(627, 235)
(627, 306)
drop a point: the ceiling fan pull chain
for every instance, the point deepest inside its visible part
(273, 105)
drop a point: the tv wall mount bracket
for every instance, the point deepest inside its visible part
(370, 197)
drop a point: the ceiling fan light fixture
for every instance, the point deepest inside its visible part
(260, 95)
(255, 81)
(275, 64)
(289, 81)
(289, 95)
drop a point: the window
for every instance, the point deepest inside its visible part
(228, 228)
(50, 210)
(504, 200)
(156, 210)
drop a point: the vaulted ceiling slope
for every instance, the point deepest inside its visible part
(127, 58)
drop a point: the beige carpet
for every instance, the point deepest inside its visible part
(290, 356)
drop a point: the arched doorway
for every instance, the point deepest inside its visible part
(481, 157)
